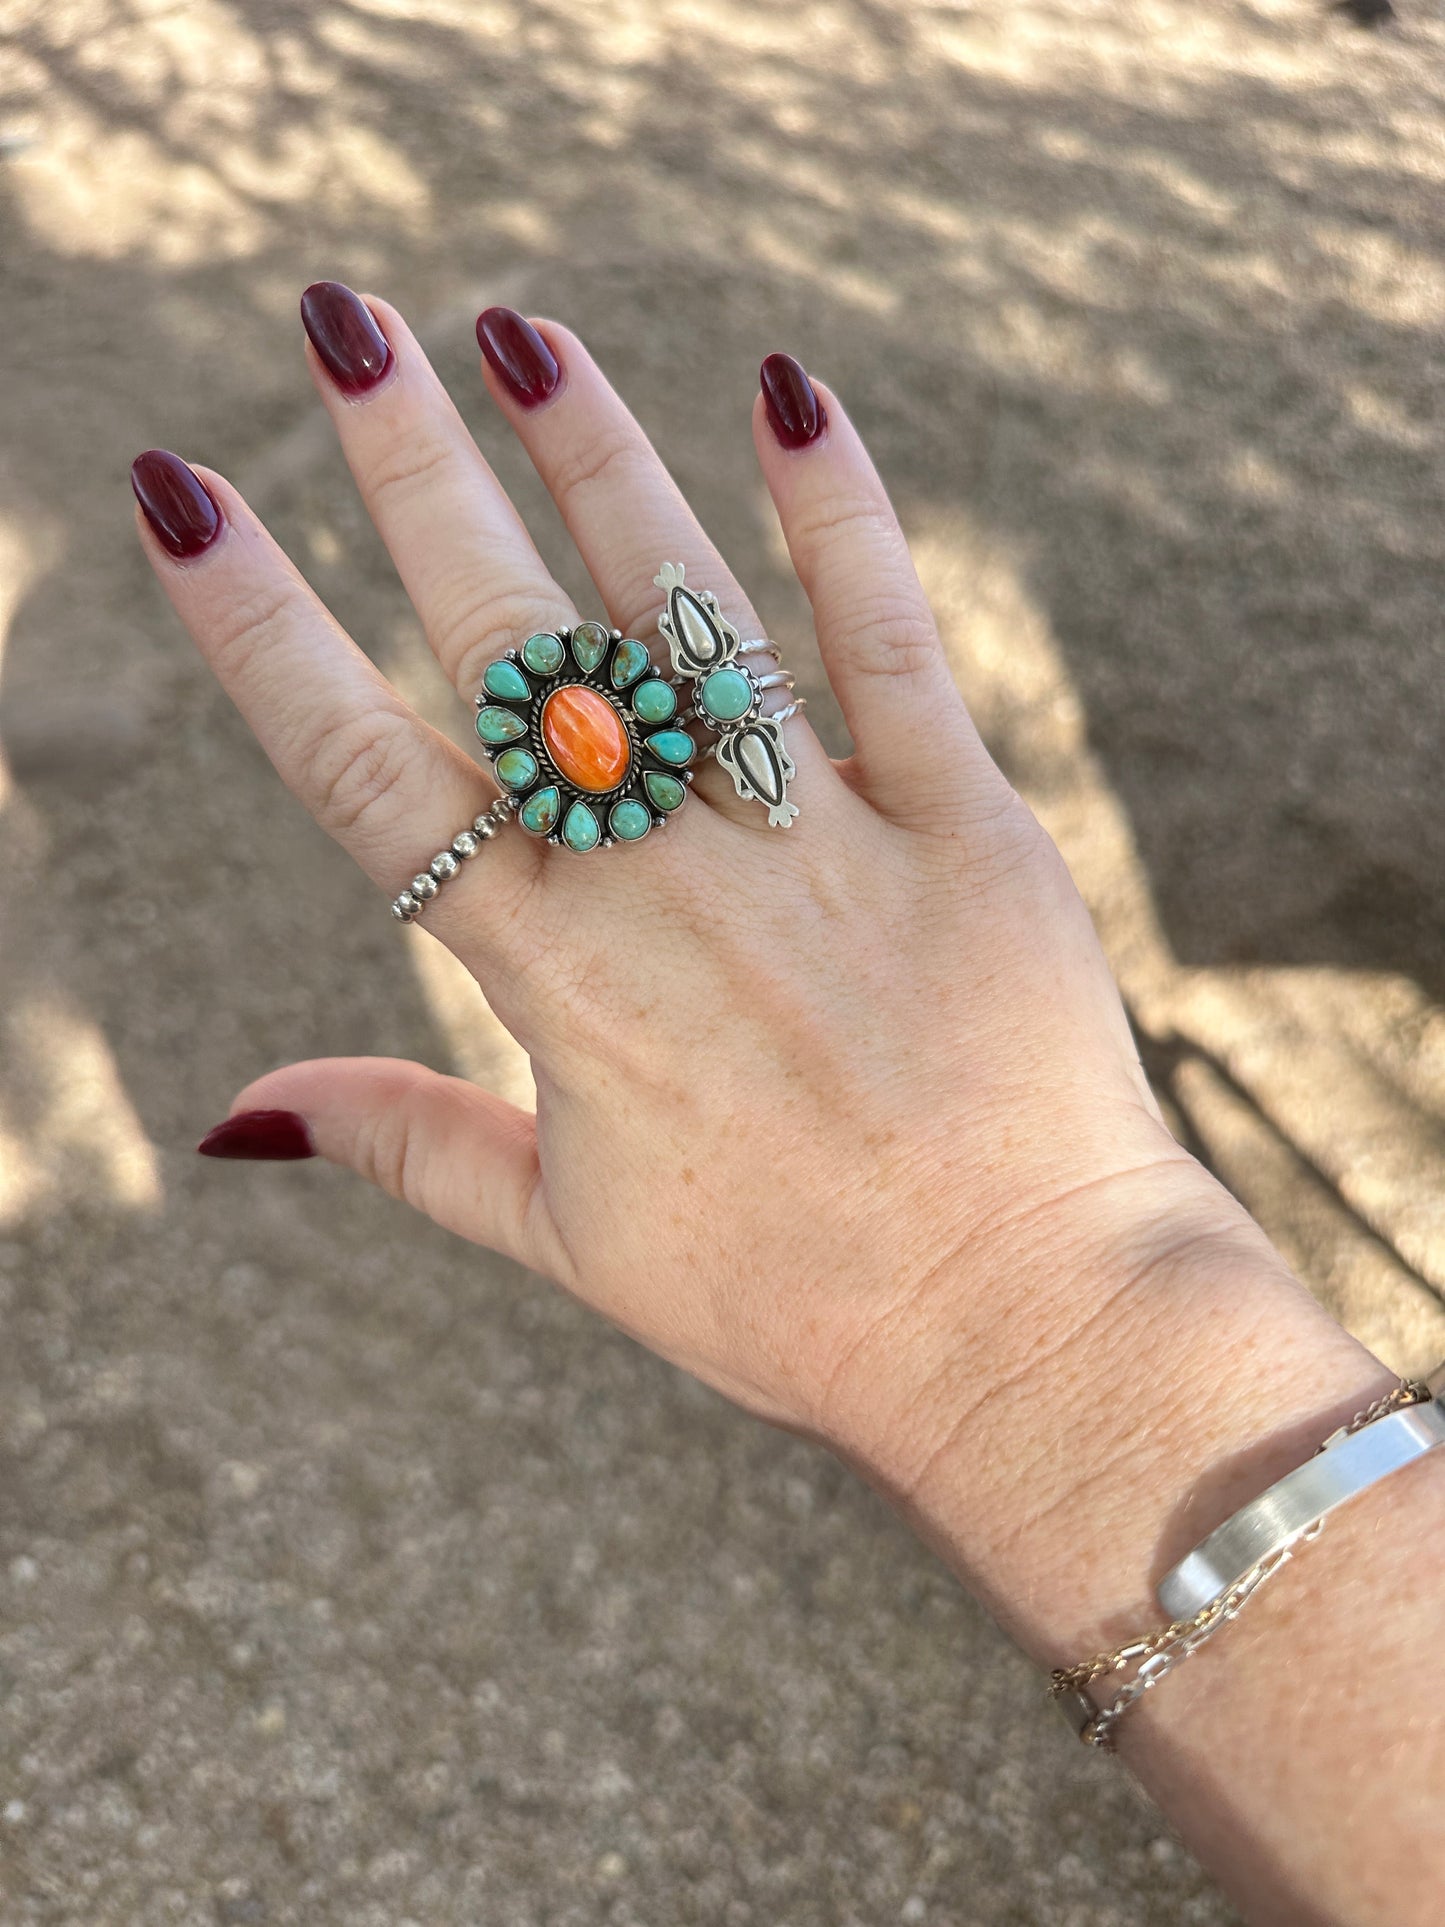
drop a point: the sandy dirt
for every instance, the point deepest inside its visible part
(347, 1574)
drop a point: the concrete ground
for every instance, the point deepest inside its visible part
(346, 1574)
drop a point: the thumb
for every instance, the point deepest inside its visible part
(451, 1150)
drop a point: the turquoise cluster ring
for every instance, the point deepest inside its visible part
(591, 744)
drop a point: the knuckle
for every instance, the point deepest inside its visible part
(841, 521)
(410, 464)
(475, 624)
(356, 764)
(251, 624)
(604, 461)
(887, 634)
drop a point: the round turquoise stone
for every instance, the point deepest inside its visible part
(664, 792)
(499, 725)
(628, 664)
(517, 768)
(654, 701)
(589, 645)
(673, 746)
(540, 812)
(543, 655)
(726, 695)
(505, 681)
(580, 829)
(629, 820)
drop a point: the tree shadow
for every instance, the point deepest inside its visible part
(1163, 323)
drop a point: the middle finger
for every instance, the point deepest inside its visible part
(463, 553)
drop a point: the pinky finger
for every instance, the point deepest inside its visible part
(456, 1153)
(913, 739)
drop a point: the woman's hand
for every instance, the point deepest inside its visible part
(846, 1119)
(802, 1095)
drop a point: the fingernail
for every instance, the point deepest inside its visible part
(272, 1135)
(518, 355)
(795, 413)
(177, 503)
(344, 333)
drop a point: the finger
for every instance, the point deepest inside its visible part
(391, 790)
(913, 740)
(622, 509)
(457, 1153)
(471, 569)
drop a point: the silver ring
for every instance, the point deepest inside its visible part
(726, 694)
(447, 863)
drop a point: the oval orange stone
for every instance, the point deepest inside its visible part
(585, 738)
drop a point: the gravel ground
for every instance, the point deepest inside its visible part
(347, 1574)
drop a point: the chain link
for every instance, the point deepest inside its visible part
(1158, 1653)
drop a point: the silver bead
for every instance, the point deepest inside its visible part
(424, 887)
(484, 827)
(465, 844)
(444, 866)
(405, 907)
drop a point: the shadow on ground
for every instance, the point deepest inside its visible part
(352, 1575)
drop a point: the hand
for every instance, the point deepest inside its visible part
(846, 1119)
(825, 1115)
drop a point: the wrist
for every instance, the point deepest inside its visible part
(1124, 1383)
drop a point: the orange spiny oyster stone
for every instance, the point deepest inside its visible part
(585, 738)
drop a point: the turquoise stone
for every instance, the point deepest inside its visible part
(543, 655)
(673, 746)
(589, 645)
(517, 768)
(505, 681)
(499, 725)
(629, 820)
(726, 695)
(540, 812)
(665, 792)
(628, 664)
(580, 830)
(654, 701)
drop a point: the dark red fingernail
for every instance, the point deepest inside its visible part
(274, 1135)
(177, 503)
(344, 333)
(795, 413)
(518, 355)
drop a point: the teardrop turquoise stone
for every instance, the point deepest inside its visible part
(543, 655)
(673, 746)
(629, 820)
(579, 828)
(726, 695)
(517, 768)
(540, 812)
(628, 664)
(654, 701)
(665, 792)
(589, 645)
(499, 726)
(505, 681)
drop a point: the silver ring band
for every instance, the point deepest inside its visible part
(446, 863)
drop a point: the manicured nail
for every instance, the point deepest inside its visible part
(177, 503)
(518, 354)
(344, 333)
(795, 413)
(273, 1135)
